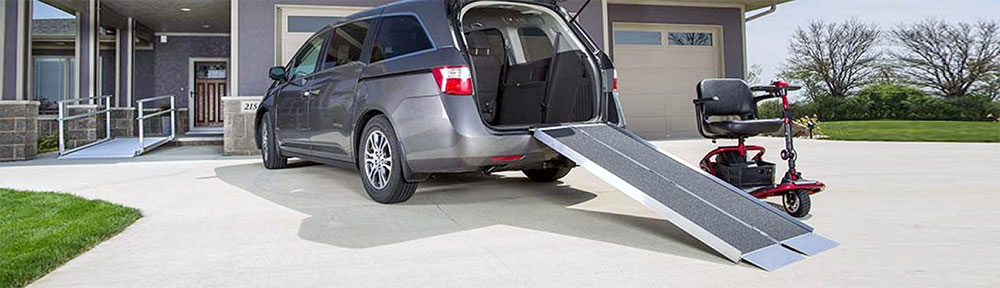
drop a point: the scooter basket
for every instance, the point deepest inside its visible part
(746, 174)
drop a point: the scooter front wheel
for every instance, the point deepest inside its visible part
(797, 203)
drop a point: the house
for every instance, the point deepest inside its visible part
(212, 56)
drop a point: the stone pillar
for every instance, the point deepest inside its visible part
(81, 131)
(123, 122)
(239, 133)
(18, 130)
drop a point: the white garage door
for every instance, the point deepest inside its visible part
(298, 23)
(658, 67)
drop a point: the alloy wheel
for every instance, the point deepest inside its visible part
(378, 160)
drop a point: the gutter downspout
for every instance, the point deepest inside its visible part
(773, 8)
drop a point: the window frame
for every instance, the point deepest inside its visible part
(322, 48)
(368, 41)
(433, 46)
(711, 39)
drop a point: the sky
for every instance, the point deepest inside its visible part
(767, 37)
(43, 11)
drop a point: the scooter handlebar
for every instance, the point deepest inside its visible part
(771, 88)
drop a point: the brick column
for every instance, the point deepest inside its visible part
(18, 130)
(82, 131)
(239, 133)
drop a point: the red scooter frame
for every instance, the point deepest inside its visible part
(791, 184)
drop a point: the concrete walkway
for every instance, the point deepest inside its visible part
(906, 214)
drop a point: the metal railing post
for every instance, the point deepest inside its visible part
(62, 138)
(173, 120)
(141, 147)
(107, 117)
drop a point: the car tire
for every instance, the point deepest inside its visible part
(797, 203)
(546, 174)
(380, 164)
(269, 151)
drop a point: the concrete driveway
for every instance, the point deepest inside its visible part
(906, 214)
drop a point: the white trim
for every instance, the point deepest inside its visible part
(679, 3)
(24, 7)
(77, 72)
(191, 79)
(234, 48)
(240, 98)
(131, 59)
(3, 40)
(604, 25)
(190, 34)
(118, 68)
(95, 51)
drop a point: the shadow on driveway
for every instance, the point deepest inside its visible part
(341, 214)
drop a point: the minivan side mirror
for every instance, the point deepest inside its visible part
(277, 73)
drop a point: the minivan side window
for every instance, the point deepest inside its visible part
(305, 62)
(397, 36)
(346, 45)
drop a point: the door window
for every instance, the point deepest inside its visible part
(633, 37)
(305, 62)
(398, 36)
(689, 38)
(346, 45)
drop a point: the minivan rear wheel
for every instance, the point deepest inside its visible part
(546, 174)
(380, 164)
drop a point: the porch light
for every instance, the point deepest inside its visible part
(186, 9)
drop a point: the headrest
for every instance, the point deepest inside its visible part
(479, 43)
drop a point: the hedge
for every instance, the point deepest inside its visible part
(889, 101)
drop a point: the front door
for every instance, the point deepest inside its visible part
(210, 85)
(330, 111)
(292, 102)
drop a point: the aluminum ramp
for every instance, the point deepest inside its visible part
(725, 218)
(117, 148)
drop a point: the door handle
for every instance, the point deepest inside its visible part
(310, 93)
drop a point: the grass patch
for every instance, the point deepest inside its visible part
(902, 130)
(41, 230)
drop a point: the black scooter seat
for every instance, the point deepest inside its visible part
(744, 128)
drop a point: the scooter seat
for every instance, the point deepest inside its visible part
(744, 128)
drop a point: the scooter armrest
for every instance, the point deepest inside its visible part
(700, 101)
(764, 97)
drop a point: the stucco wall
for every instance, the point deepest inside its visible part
(729, 18)
(171, 62)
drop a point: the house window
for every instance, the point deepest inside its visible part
(53, 80)
(309, 24)
(630, 37)
(689, 39)
(398, 36)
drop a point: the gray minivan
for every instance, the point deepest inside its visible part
(421, 87)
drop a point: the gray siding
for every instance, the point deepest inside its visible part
(257, 47)
(9, 91)
(731, 20)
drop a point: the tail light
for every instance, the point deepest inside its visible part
(614, 83)
(454, 80)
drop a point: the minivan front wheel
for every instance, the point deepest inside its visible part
(380, 164)
(269, 145)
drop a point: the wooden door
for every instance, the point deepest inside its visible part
(209, 88)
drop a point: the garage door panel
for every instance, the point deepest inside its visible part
(657, 82)
(290, 38)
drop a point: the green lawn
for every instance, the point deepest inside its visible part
(41, 230)
(902, 130)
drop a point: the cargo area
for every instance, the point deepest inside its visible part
(529, 67)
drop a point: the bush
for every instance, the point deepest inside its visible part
(48, 143)
(889, 101)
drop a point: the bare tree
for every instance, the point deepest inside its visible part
(754, 74)
(951, 59)
(841, 56)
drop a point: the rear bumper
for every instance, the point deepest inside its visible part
(445, 134)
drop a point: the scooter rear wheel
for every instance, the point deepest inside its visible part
(797, 203)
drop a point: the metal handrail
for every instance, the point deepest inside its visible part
(142, 116)
(63, 118)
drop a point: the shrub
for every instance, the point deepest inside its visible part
(48, 143)
(890, 101)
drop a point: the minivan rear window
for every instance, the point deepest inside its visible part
(397, 36)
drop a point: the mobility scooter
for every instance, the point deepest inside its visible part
(727, 108)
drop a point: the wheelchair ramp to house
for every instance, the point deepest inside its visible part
(725, 218)
(116, 148)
